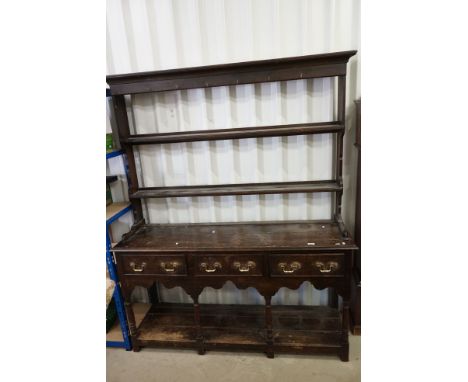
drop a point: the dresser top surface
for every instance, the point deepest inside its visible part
(235, 237)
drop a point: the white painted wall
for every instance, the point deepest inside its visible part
(162, 34)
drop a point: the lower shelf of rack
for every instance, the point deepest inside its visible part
(114, 336)
(296, 329)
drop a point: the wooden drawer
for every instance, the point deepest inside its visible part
(170, 265)
(320, 264)
(219, 265)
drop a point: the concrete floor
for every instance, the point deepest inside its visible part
(158, 365)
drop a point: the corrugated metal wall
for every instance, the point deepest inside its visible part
(163, 34)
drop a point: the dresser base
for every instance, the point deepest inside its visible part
(296, 329)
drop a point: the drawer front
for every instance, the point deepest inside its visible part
(171, 265)
(216, 265)
(320, 264)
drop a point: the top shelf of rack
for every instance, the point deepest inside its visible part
(279, 69)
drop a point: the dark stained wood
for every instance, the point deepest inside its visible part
(357, 216)
(356, 285)
(355, 320)
(341, 114)
(223, 265)
(339, 141)
(265, 285)
(242, 327)
(236, 133)
(341, 225)
(345, 319)
(111, 179)
(199, 337)
(344, 351)
(332, 298)
(311, 264)
(121, 118)
(237, 189)
(205, 333)
(153, 293)
(236, 237)
(270, 352)
(262, 255)
(131, 324)
(281, 69)
(173, 265)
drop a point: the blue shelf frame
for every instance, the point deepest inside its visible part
(118, 299)
(113, 154)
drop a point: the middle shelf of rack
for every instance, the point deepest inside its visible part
(238, 189)
(236, 133)
(116, 210)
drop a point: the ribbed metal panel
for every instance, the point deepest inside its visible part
(163, 34)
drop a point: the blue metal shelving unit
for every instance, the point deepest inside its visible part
(119, 303)
(113, 154)
(117, 292)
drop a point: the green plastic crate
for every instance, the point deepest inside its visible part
(109, 142)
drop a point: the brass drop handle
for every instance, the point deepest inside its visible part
(136, 269)
(244, 268)
(169, 267)
(207, 268)
(294, 266)
(327, 268)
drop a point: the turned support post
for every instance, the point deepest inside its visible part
(199, 338)
(269, 328)
(132, 325)
(344, 354)
(153, 293)
(332, 298)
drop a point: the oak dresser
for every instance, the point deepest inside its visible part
(262, 255)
